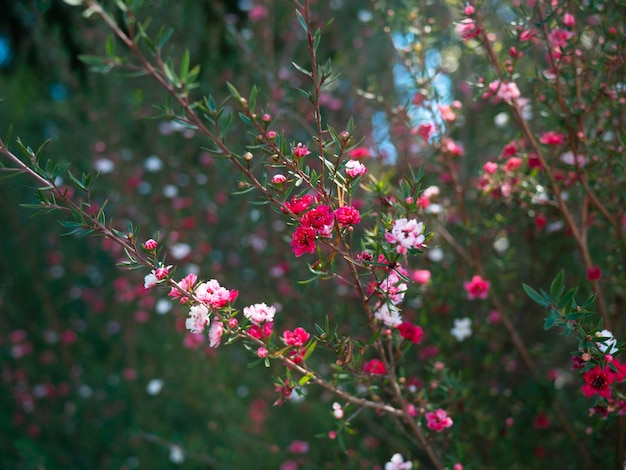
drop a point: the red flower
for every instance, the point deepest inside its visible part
(594, 273)
(598, 381)
(347, 215)
(297, 205)
(411, 332)
(303, 241)
(375, 367)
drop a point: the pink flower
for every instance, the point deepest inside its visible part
(150, 245)
(215, 334)
(359, 152)
(421, 276)
(300, 150)
(262, 352)
(507, 92)
(198, 318)
(355, 168)
(389, 314)
(303, 241)
(162, 272)
(298, 205)
(438, 420)
(298, 337)
(512, 164)
(552, 138)
(425, 131)
(558, 38)
(477, 288)
(375, 367)
(446, 113)
(321, 219)
(193, 340)
(347, 215)
(298, 447)
(453, 148)
(594, 273)
(598, 381)
(278, 179)
(187, 284)
(338, 413)
(257, 12)
(259, 313)
(410, 332)
(569, 20)
(406, 234)
(467, 29)
(214, 295)
(490, 167)
(397, 463)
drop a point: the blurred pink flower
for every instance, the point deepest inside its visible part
(477, 287)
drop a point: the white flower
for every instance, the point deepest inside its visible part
(389, 314)
(462, 328)
(398, 463)
(407, 234)
(608, 346)
(259, 313)
(337, 411)
(154, 386)
(176, 454)
(150, 280)
(198, 318)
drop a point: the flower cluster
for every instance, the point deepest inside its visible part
(406, 234)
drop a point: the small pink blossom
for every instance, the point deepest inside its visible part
(512, 164)
(337, 411)
(300, 150)
(569, 20)
(214, 295)
(297, 205)
(506, 91)
(467, 29)
(410, 332)
(215, 334)
(320, 218)
(187, 284)
(421, 276)
(298, 337)
(298, 447)
(389, 314)
(303, 241)
(347, 215)
(262, 352)
(552, 138)
(446, 113)
(438, 420)
(469, 10)
(358, 153)
(451, 147)
(278, 179)
(406, 233)
(425, 131)
(233, 322)
(490, 167)
(355, 168)
(594, 273)
(198, 318)
(375, 367)
(150, 244)
(259, 313)
(397, 463)
(477, 288)
(162, 272)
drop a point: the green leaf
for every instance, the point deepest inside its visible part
(300, 69)
(302, 21)
(535, 296)
(164, 36)
(184, 66)
(556, 288)
(304, 379)
(567, 299)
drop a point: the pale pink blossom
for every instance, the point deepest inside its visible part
(406, 233)
(337, 411)
(198, 318)
(214, 295)
(446, 113)
(393, 288)
(397, 463)
(389, 314)
(262, 352)
(506, 91)
(259, 313)
(467, 29)
(355, 168)
(569, 20)
(185, 283)
(215, 334)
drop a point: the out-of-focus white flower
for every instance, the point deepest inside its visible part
(462, 328)
(155, 386)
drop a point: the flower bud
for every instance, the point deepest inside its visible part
(248, 156)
